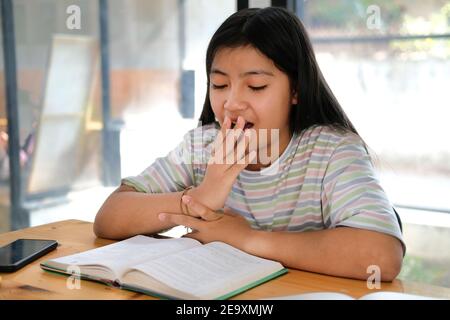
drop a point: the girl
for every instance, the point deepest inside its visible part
(315, 205)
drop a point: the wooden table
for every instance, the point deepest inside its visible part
(73, 236)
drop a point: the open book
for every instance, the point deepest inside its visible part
(171, 268)
(379, 295)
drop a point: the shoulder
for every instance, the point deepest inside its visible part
(329, 140)
(198, 142)
(330, 135)
(320, 147)
(202, 135)
(208, 130)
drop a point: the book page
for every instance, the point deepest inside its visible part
(208, 271)
(314, 296)
(387, 295)
(121, 255)
(380, 295)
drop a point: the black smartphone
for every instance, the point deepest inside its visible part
(19, 253)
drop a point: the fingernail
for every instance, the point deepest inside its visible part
(187, 199)
(162, 216)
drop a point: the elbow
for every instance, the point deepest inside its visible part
(392, 268)
(105, 232)
(380, 258)
(107, 226)
(389, 261)
(99, 229)
(384, 268)
(103, 225)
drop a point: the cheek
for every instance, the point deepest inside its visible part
(274, 108)
(216, 105)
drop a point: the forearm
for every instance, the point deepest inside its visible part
(345, 252)
(125, 214)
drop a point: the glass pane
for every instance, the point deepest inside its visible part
(4, 165)
(396, 94)
(153, 45)
(57, 49)
(326, 18)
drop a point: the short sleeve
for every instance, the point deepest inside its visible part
(171, 173)
(351, 193)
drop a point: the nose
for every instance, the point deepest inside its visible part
(234, 102)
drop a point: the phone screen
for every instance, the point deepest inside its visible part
(22, 251)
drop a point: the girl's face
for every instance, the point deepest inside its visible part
(246, 83)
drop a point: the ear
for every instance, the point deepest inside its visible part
(294, 99)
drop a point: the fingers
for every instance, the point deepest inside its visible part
(226, 125)
(229, 146)
(236, 144)
(192, 235)
(219, 141)
(197, 209)
(232, 137)
(251, 149)
(225, 143)
(181, 220)
(245, 146)
(228, 130)
(248, 159)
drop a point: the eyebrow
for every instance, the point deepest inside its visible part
(244, 74)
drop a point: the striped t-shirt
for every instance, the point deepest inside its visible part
(322, 180)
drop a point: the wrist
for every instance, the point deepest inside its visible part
(254, 242)
(209, 196)
(199, 195)
(193, 192)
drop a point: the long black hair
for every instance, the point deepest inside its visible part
(280, 36)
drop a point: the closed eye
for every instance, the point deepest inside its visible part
(258, 88)
(218, 87)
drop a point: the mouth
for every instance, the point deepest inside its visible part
(248, 125)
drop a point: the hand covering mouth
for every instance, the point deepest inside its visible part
(247, 125)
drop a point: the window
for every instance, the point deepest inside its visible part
(388, 64)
